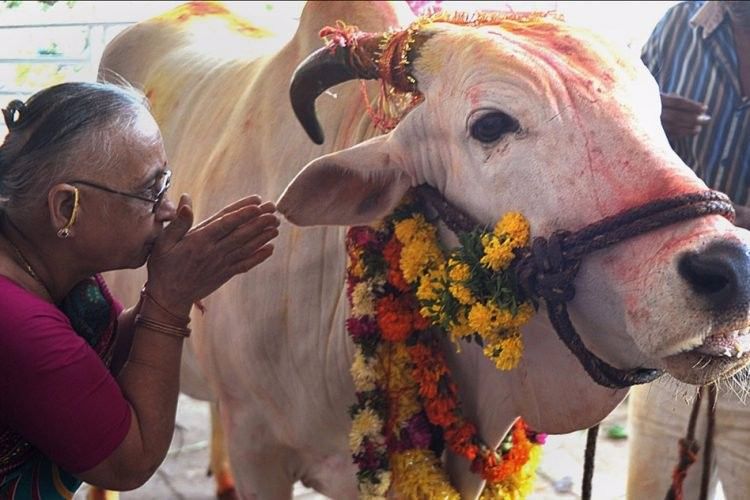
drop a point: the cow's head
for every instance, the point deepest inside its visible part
(528, 114)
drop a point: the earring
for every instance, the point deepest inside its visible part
(64, 232)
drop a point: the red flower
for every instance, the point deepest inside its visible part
(420, 322)
(362, 236)
(394, 319)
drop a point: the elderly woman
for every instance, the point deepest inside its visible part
(88, 391)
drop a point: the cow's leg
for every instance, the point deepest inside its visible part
(658, 417)
(219, 465)
(260, 465)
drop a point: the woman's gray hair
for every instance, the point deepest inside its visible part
(64, 129)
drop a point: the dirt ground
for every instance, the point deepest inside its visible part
(183, 474)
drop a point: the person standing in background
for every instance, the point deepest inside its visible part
(699, 54)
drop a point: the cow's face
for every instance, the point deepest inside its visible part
(557, 125)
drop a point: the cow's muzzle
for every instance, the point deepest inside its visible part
(547, 269)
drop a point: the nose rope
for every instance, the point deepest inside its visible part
(548, 268)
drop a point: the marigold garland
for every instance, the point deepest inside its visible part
(400, 284)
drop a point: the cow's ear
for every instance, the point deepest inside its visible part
(350, 187)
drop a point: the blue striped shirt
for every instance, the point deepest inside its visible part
(691, 53)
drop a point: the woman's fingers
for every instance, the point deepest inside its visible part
(249, 247)
(234, 240)
(228, 223)
(253, 200)
(246, 232)
(253, 260)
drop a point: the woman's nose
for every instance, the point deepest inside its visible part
(166, 211)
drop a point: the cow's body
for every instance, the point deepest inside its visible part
(272, 345)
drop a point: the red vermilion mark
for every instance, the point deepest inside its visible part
(193, 10)
(197, 9)
(557, 40)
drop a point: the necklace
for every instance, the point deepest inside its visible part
(21, 259)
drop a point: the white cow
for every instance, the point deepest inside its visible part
(518, 115)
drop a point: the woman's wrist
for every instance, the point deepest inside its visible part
(178, 312)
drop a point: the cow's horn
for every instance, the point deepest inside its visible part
(326, 67)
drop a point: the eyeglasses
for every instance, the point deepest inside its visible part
(155, 194)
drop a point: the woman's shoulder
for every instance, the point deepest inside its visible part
(26, 318)
(17, 301)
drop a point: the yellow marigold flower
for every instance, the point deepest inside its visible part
(406, 230)
(518, 485)
(462, 294)
(497, 254)
(419, 474)
(516, 227)
(458, 271)
(459, 328)
(402, 383)
(414, 228)
(523, 315)
(355, 264)
(431, 285)
(481, 319)
(417, 257)
(362, 303)
(434, 313)
(511, 349)
(366, 423)
(487, 319)
(365, 373)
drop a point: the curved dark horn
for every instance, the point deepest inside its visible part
(321, 70)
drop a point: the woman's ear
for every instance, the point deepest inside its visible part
(63, 208)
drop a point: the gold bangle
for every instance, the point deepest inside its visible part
(182, 332)
(145, 294)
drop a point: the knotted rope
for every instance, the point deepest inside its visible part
(689, 448)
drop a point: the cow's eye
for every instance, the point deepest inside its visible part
(492, 126)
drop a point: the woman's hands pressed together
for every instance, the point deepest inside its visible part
(188, 263)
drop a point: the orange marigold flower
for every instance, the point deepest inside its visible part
(489, 466)
(440, 411)
(392, 256)
(460, 440)
(394, 319)
(396, 278)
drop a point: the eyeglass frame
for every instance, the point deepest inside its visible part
(156, 201)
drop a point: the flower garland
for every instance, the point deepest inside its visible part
(400, 284)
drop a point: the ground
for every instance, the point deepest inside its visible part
(183, 474)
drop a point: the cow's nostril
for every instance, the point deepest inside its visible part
(719, 274)
(704, 277)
